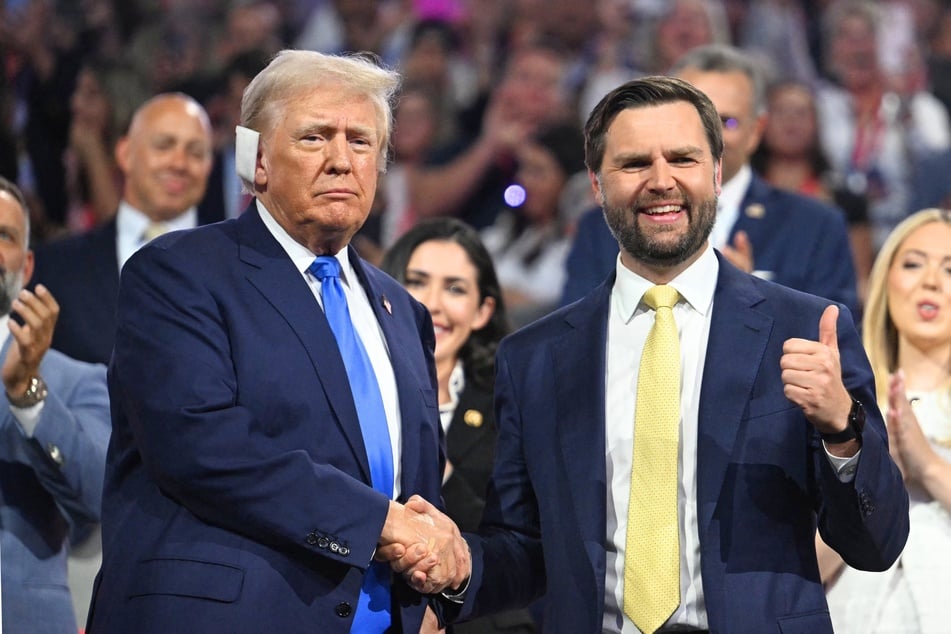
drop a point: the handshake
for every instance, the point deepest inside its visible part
(425, 546)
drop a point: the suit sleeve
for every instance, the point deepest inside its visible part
(507, 563)
(68, 448)
(865, 521)
(174, 380)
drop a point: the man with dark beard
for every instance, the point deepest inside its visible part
(763, 429)
(792, 239)
(54, 428)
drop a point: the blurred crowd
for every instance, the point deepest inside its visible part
(495, 94)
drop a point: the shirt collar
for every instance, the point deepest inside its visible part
(733, 191)
(696, 285)
(132, 222)
(301, 256)
(728, 206)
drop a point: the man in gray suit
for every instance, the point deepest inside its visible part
(54, 422)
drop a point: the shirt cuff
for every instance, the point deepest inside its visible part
(844, 467)
(459, 596)
(28, 417)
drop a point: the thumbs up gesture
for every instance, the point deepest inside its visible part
(812, 376)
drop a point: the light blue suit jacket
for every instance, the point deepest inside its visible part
(763, 479)
(51, 485)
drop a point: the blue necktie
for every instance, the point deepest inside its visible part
(373, 610)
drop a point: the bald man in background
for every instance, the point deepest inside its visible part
(165, 158)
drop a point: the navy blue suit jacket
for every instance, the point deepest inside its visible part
(82, 272)
(797, 241)
(237, 494)
(763, 478)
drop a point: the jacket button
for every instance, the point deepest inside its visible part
(343, 610)
(311, 538)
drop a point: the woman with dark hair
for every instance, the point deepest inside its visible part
(791, 157)
(443, 264)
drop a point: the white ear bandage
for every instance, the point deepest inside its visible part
(246, 152)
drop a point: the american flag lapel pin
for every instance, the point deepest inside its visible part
(386, 304)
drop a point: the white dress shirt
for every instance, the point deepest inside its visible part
(731, 197)
(132, 223)
(364, 320)
(628, 324)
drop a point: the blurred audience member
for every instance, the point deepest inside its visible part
(468, 180)
(617, 57)
(350, 26)
(791, 158)
(907, 333)
(101, 107)
(432, 60)
(777, 31)
(681, 26)
(55, 428)
(46, 53)
(528, 242)
(872, 128)
(444, 265)
(414, 131)
(165, 159)
(939, 57)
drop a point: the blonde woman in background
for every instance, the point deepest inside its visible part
(907, 335)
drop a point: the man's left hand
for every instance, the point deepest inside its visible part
(39, 312)
(812, 376)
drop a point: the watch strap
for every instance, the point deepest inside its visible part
(35, 392)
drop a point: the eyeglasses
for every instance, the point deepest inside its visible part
(730, 123)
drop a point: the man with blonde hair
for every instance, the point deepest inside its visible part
(274, 394)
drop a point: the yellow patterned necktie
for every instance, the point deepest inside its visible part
(652, 553)
(154, 230)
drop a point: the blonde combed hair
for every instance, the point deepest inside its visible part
(292, 72)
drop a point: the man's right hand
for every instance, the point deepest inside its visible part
(425, 546)
(740, 253)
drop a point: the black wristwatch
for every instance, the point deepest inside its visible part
(854, 430)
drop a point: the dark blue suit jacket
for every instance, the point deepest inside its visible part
(82, 272)
(762, 475)
(237, 494)
(797, 241)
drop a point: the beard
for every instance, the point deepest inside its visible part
(12, 284)
(648, 247)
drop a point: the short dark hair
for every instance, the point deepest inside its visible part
(641, 93)
(478, 352)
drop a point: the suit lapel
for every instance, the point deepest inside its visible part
(274, 275)
(738, 336)
(579, 362)
(754, 212)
